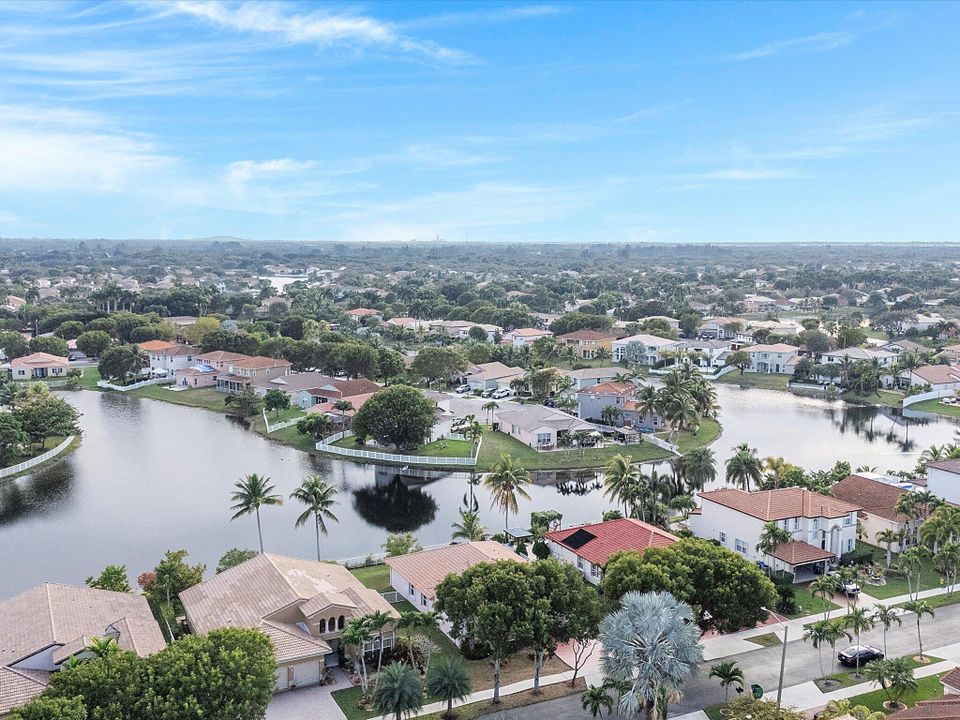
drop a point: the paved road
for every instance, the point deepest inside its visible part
(762, 666)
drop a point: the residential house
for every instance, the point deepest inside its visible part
(332, 390)
(537, 426)
(301, 605)
(585, 377)
(705, 354)
(37, 366)
(12, 303)
(341, 418)
(904, 345)
(719, 328)
(823, 528)
(776, 358)
(878, 496)
(44, 627)
(952, 353)
(524, 336)
(220, 359)
(588, 547)
(943, 479)
(642, 349)
(407, 323)
(759, 304)
(945, 707)
(415, 576)
(492, 376)
(938, 377)
(196, 376)
(240, 373)
(886, 358)
(672, 322)
(592, 401)
(358, 315)
(166, 357)
(587, 343)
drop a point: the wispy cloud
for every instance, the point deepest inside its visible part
(243, 171)
(8, 217)
(739, 174)
(819, 42)
(484, 17)
(283, 22)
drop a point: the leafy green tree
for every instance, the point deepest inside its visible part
(276, 400)
(163, 586)
(233, 557)
(398, 415)
(113, 577)
(728, 591)
(390, 363)
(650, 620)
(507, 482)
(488, 605)
(93, 343)
(13, 345)
(399, 692)
(448, 680)
(438, 364)
(401, 544)
(43, 415)
(728, 673)
(109, 687)
(244, 402)
(250, 494)
(50, 344)
(51, 708)
(69, 330)
(13, 440)
(120, 362)
(596, 699)
(316, 424)
(739, 359)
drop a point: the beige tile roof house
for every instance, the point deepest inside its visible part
(780, 504)
(302, 605)
(43, 627)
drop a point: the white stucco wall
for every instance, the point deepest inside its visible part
(944, 483)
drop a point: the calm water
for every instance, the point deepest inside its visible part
(151, 476)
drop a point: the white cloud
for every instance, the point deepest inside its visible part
(819, 42)
(281, 20)
(483, 17)
(8, 217)
(737, 174)
(243, 171)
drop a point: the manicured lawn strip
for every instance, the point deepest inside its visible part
(52, 442)
(713, 712)
(886, 398)
(289, 414)
(375, 577)
(709, 431)
(935, 406)
(90, 378)
(767, 381)
(437, 448)
(938, 601)
(496, 443)
(849, 677)
(929, 578)
(208, 398)
(928, 687)
(808, 604)
(765, 640)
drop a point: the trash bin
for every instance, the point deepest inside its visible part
(757, 691)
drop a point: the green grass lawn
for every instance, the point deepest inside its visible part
(765, 640)
(291, 413)
(496, 443)
(886, 398)
(767, 381)
(709, 431)
(929, 578)
(36, 450)
(437, 448)
(935, 406)
(375, 577)
(90, 378)
(928, 687)
(938, 601)
(850, 677)
(808, 604)
(208, 397)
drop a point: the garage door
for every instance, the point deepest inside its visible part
(306, 674)
(281, 678)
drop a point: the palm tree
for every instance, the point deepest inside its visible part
(595, 699)
(888, 537)
(745, 468)
(858, 621)
(449, 680)
(376, 622)
(910, 562)
(506, 484)
(824, 587)
(250, 494)
(771, 537)
(919, 608)
(824, 632)
(317, 495)
(649, 402)
(343, 406)
(356, 633)
(895, 676)
(489, 408)
(886, 616)
(728, 673)
(469, 527)
(398, 692)
(697, 467)
(620, 474)
(101, 647)
(408, 621)
(645, 621)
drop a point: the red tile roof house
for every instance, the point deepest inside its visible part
(878, 499)
(588, 547)
(946, 707)
(240, 373)
(359, 314)
(591, 402)
(588, 342)
(823, 527)
(38, 365)
(42, 628)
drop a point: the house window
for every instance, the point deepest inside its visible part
(322, 626)
(580, 563)
(848, 520)
(723, 538)
(849, 544)
(816, 523)
(595, 570)
(411, 591)
(740, 546)
(796, 523)
(340, 622)
(423, 599)
(543, 438)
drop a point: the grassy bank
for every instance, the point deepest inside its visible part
(927, 688)
(52, 442)
(938, 408)
(208, 398)
(438, 448)
(885, 397)
(929, 578)
(765, 381)
(807, 604)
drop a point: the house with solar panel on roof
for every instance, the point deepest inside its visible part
(588, 547)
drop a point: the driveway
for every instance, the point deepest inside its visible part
(309, 703)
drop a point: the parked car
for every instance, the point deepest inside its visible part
(848, 588)
(859, 655)
(501, 394)
(488, 392)
(550, 402)
(463, 389)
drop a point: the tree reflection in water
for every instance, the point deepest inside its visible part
(863, 421)
(394, 507)
(35, 495)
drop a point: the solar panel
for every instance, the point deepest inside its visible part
(578, 539)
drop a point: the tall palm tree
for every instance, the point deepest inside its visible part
(250, 494)
(745, 467)
(343, 407)
(910, 562)
(619, 475)
(652, 646)
(507, 483)
(356, 633)
(448, 680)
(697, 467)
(824, 587)
(728, 673)
(489, 408)
(648, 401)
(886, 616)
(919, 608)
(318, 497)
(888, 537)
(858, 620)
(895, 676)
(469, 527)
(595, 699)
(399, 692)
(824, 632)
(772, 536)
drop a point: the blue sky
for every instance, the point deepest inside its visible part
(674, 122)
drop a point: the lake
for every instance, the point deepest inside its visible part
(151, 475)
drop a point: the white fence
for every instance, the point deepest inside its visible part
(707, 373)
(661, 443)
(107, 385)
(34, 461)
(326, 445)
(279, 425)
(932, 395)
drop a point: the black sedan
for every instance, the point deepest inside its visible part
(859, 655)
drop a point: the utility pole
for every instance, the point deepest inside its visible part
(783, 654)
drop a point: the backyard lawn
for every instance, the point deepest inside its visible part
(935, 406)
(928, 687)
(887, 398)
(807, 604)
(496, 443)
(207, 397)
(929, 578)
(291, 413)
(437, 448)
(767, 381)
(375, 577)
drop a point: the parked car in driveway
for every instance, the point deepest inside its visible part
(501, 394)
(488, 392)
(859, 655)
(463, 389)
(848, 588)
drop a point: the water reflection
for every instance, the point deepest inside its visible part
(35, 494)
(394, 506)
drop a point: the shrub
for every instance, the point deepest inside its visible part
(857, 556)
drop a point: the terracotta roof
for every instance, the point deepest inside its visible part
(360, 312)
(948, 465)
(39, 358)
(609, 537)
(178, 350)
(428, 568)
(529, 332)
(260, 362)
(780, 504)
(291, 643)
(346, 388)
(800, 553)
(248, 593)
(357, 401)
(941, 708)
(493, 371)
(220, 356)
(609, 388)
(586, 334)
(952, 679)
(938, 374)
(874, 496)
(154, 345)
